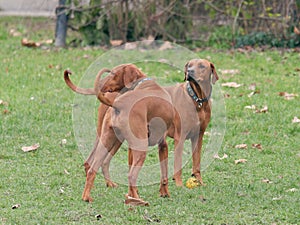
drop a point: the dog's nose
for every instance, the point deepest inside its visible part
(190, 71)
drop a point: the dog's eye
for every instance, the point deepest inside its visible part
(201, 66)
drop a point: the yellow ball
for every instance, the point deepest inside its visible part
(192, 182)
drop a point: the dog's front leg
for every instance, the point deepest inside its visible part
(197, 146)
(178, 162)
(163, 158)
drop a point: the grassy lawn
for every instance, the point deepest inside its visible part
(47, 183)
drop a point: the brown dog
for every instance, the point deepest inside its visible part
(146, 109)
(192, 101)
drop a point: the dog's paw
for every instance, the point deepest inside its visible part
(87, 199)
(111, 184)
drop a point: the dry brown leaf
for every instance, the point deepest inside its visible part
(250, 107)
(252, 87)
(277, 198)
(226, 95)
(266, 181)
(135, 201)
(296, 120)
(216, 156)
(292, 190)
(27, 43)
(241, 146)
(240, 161)
(230, 71)
(3, 102)
(116, 42)
(253, 93)
(30, 148)
(231, 84)
(6, 111)
(15, 33)
(288, 96)
(296, 30)
(263, 110)
(258, 146)
(202, 199)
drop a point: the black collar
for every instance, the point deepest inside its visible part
(193, 95)
(134, 85)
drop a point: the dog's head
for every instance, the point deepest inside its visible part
(121, 76)
(200, 70)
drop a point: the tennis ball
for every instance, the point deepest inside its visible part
(192, 182)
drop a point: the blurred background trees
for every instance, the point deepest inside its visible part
(224, 23)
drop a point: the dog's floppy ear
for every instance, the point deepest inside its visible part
(214, 72)
(130, 74)
(185, 71)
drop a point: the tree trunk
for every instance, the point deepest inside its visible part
(61, 24)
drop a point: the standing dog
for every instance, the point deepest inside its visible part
(141, 116)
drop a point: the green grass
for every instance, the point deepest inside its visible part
(39, 110)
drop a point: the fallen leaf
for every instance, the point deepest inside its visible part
(287, 96)
(296, 30)
(63, 142)
(292, 190)
(61, 190)
(135, 201)
(266, 181)
(16, 206)
(240, 161)
(15, 33)
(116, 42)
(30, 148)
(241, 146)
(202, 199)
(230, 71)
(3, 102)
(296, 120)
(226, 95)
(258, 146)
(250, 107)
(252, 87)
(263, 110)
(253, 93)
(27, 43)
(225, 156)
(151, 220)
(5, 111)
(277, 198)
(231, 84)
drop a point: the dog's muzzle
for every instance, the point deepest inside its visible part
(191, 76)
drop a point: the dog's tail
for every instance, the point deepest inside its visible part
(84, 91)
(97, 83)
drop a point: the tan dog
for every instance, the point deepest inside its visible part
(141, 116)
(192, 102)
